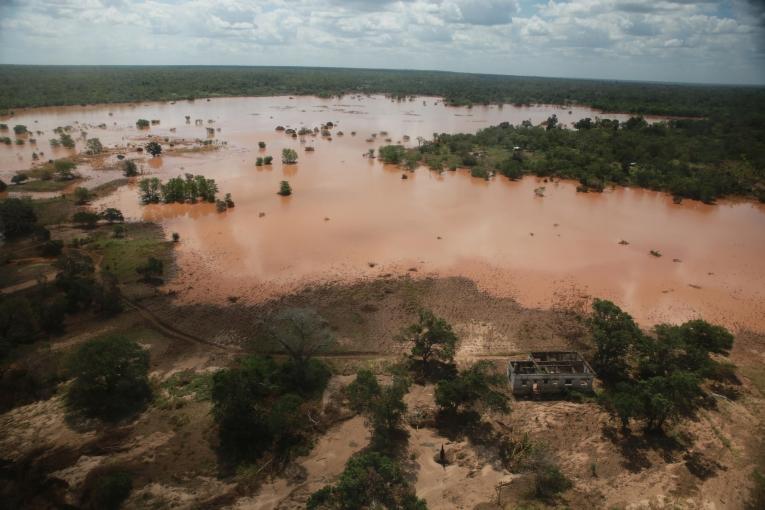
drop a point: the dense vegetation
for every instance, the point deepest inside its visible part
(61, 85)
(189, 188)
(701, 159)
(656, 378)
(111, 378)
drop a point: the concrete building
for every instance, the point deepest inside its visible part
(550, 372)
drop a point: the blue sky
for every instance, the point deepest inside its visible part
(662, 40)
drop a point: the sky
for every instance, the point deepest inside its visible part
(652, 40)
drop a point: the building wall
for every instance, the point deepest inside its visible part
(549, 383)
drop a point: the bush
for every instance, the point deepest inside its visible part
(85, 219)
(549, 482)
(142, 123)
(363, 390)
(52, 248)
(111, 378)
(152, 270)
(109, 490)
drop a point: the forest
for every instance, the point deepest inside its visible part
(28, 86)
(701, 159)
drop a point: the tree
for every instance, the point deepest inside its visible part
(109, 490)
(432, 339)
(475, 385)
(19, 324)
(129, 168)
(302, 333)
(142, 123)
(67, 141)
(154, 148)
(3, 186)
(391, 154)
(111, 215)
(370, 480)
(17, 217)
(285, 189)
(150, 190)
(262, 145)
(289, 156)
(81, 196)
(94, 146)
(19, 129)
(615, 333)
(254, 409)
(386, 411)
(111, 378)
(363, 390)
(152, 270)
(267, 160)
(85, 219)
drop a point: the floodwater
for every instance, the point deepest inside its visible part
(352, 217)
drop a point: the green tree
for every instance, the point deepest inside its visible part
(154, 148)
(432, 339)
(615, 334)
(19, 129)
(142, 123)
(85, 219)
(363, 390)
(473, 386)
(150, 189)
(129, 168)
(152, 270)
(81, 196)
(17, 217)
(289, 156)
(285, 189)
(112, 215)
(94, 146)
(111, 378)
(109, 490)
(370, 480)
(386, 412)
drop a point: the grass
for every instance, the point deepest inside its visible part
(123, 256)
(43, 185)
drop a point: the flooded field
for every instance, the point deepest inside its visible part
(352, 217)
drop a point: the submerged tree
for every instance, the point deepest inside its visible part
(154, 148)
(284, 189)
(289, 156)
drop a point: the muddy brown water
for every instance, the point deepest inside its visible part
(352, 217)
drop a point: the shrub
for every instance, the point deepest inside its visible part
(19, 129)
(142, 123)
(473, 386)
(362, 390)
(109, 490)
(112, 215)
(267, 160)
(94, 146)
(111, 378)
(262, 145)
(152, 270)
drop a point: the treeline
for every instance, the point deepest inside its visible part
(25, 86)
(701, 159)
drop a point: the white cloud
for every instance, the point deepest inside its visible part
(631, 39)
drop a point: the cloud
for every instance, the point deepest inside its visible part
(632, 39)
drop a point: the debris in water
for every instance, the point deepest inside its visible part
(540, 191)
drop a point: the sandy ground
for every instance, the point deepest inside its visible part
(171, 446)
